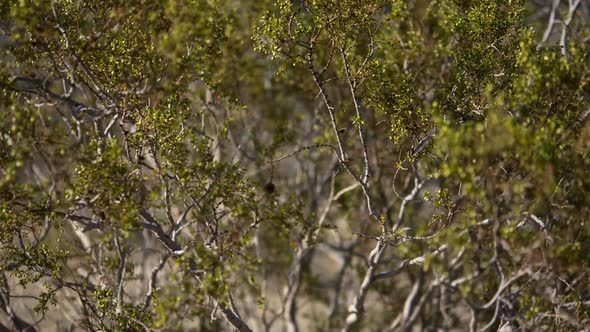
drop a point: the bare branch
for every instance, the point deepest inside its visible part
(355, 310)
(154, 279)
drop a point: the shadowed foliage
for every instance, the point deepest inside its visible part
(374, 165)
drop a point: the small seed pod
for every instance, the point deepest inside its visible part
(269, 188)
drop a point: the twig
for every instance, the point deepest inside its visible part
(120, 273)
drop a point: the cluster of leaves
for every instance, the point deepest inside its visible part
(156, 128)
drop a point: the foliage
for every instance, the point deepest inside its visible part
(294, 165)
